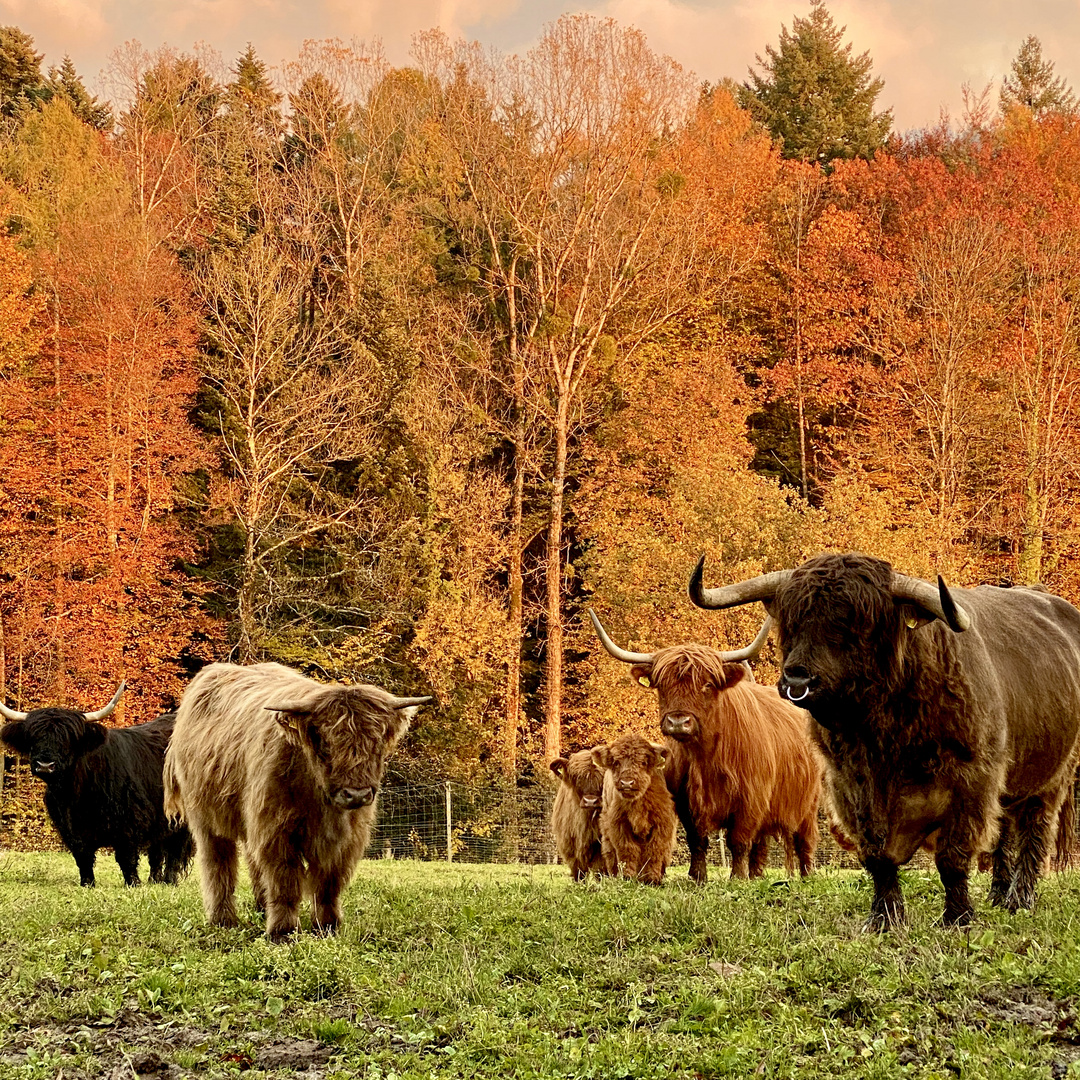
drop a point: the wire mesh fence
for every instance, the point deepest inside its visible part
(443, 820)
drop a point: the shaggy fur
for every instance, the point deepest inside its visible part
(103, 788)
(637, 822)
(288, 767)
(739, 759)
(575, 816)
(968, 740)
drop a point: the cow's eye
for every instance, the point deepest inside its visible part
(315, 738)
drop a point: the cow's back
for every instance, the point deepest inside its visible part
(225, 747)
(1021, 666)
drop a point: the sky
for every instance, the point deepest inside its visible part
(925, 51)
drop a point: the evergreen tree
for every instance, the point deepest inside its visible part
(252, 94)
(65, 82)
(814, 97)
(1032, 84)
(20, 70)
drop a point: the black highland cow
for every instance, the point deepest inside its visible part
(946, 717)
(103, 787)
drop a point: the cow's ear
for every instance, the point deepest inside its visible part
(734, 674)
(92, 737)
(294, 722)
(558, 767)
(601, 756)
(400, 722)
(642, 673)
(914, 616)
(16, 736)
(661, 753)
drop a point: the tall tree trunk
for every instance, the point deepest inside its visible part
(515, 612)
(60, 677)
(554, 574)
(246, 600)
(516, 605)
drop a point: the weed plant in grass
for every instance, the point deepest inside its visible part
(497, 971)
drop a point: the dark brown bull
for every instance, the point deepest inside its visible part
(944, 715)
(739, 758)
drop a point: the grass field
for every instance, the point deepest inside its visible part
(495, 971)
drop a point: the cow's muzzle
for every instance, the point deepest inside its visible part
(353, 798)
(677, 726)
(43, 768)
(797, 685)
(590, 802)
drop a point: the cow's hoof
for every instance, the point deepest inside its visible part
(282, 934)
(958, 920)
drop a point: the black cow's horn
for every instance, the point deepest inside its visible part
(102, 713)
(763, 588)
(938, 601)
(620, 654)
(12, 714)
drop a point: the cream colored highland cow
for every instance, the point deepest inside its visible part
(288, 767)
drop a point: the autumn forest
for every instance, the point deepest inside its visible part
(391, 373)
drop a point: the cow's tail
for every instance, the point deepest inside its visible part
(1066, 832)
(174, 804)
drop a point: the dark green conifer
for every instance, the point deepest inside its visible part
(814, 97)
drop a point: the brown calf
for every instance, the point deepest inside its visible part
(637, 822)
(575, 817)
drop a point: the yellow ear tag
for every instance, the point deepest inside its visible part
(644, 680)
(912, 622)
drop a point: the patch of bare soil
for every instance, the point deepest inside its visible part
(133, 1046)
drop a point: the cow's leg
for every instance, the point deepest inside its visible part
(178, 851)
(217, 860)
(127, 858)
(283, 881)
(805, 842)
(1002, 868)
(1036, 819)
(698, 843)
(954, 866)
(790, 861)
(651, 871)
(629, 860)
(258, 887)
(759, 856)
(740, 856)
(609, 858)
(327, 908)
(740, 841)
(887, 910)
(155, 853)
(84, 860)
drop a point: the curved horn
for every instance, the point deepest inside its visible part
(102, 713)
(939, 601)
(12, 714)
(751, 650)
(763, 588)
(408, 702)
(624, 655)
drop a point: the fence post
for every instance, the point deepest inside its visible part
(449, 827)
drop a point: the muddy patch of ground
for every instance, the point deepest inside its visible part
(133, 1046)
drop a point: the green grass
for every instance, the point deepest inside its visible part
(495, 971)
